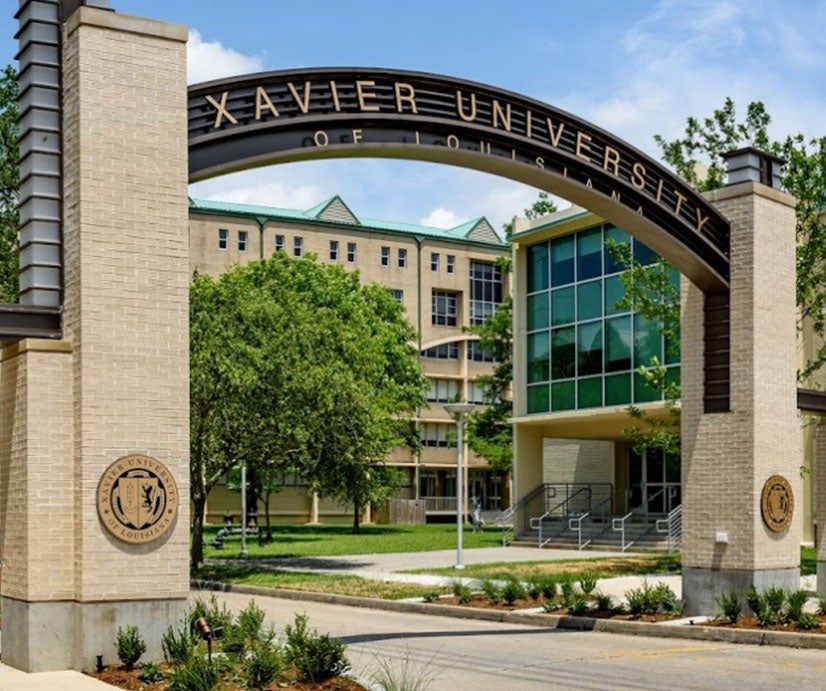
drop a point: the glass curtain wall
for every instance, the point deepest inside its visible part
(582, 349)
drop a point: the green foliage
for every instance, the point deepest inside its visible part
(130, 646)
(250, 621)
(431, 597)
(807, 621)
(9, 174)
(513, 590)
(197, 674)
(263, 663)
(178, 646)
(667, 598)
(578, 605)
(317, 657)
(568, 589)
(406, 675)
(753, 600)
(730, 605)
(218, 616)
(150, 673)
(821, 606)
(775, 598)
(603, 602)
(588, 581)
(548, 586)
(804, 177)
(491, 590)
(795, 602)
(652, 599)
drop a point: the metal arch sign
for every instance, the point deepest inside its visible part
(294, 115)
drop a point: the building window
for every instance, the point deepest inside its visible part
(402, 257)
(434, 261)
(476, 353)
(443, 390)
(223, 238)
(444, 308)
(398, 295)
(486, 291)
(351, 252)
(435, 434)
(446, 351)
(476, 393)
(333, 250)
(584, 345)
(242, 240)
(385, 256)
(298, 246)
(279, 243)
(450, 263)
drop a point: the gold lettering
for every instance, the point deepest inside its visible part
(640, 211)
(589, 184)
(680, 200)
(364, 95)
(638, 176)
(453, 141)
(528, 124)
(484, 147)
(660, 190)
(513, 154)
(262, 100)
(565, 172)
(334, 91)
(701, 220)
(540, 162)
(582, 146)
(615, 196)
(461, 109)
(303, 104)
(417, 137)
(505, 115)
(357, 136)
(320, 138)
(555, 136)
(410, 97)
(611, 158)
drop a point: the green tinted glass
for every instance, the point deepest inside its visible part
(589, 349)
(538, 399)
(619, 237)
(589, 254)
(647, 342)
(617, 389)
(614, 292)
(563, 396)
(538, 267)
(590, 392)
(562, 261)
(562, 306)
(538, 311)
(563, 353)
(618, 344)
(643, 393)
(589, 300)
(538, 357)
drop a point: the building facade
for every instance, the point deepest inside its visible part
(578, 348)
(447, 280)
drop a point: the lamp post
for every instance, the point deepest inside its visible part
(458, 411)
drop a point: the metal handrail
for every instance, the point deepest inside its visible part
(505, 521)
(536, 522)
(578, 521)
(621, 523)
(673, 526)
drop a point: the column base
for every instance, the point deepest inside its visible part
(53, 636)
(702, 587)
(821, 577)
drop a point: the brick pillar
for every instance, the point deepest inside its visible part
(819, 465)
(122, 375)
(727, 457)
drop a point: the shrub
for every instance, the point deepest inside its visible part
(491, 590)
(130, 646)
(588, 582)
(666, 598)
(821, 606)
(796, 602)
(196, 674)
(533, 586)
(465, 595)
(730, 605)
(548, 586)
(431, 597)
(150, 673)
(513, 590)
(250, 620)
(456, 586)
(603, 602)
(567, 589)
(219, 617)
(642, 600)
(775, 598)
(578, 605)
(552, 606)
(264, 663)
(807, 621)
(407, 674)
(753, 600)
(178, 646)
(316, 657)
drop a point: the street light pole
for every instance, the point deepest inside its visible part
(458, 411)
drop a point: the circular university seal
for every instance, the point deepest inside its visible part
(137, 499)
(777, 503)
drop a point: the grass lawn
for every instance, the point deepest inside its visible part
(808, 561)
(336, 540)
(317, 583)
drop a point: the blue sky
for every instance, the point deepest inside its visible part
(635, 68)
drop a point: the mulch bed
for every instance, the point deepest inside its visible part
(117, 676)
(744, 622)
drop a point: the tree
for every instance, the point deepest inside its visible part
(9, 174)
(804, 177)
(489, 431)
(296, 367)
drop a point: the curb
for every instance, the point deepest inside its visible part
(786, 639)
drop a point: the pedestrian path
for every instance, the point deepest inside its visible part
(14, 680)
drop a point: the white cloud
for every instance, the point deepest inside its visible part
(441, 218)
(207, 60)
(278, 194)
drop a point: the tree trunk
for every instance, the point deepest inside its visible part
(199, 508)
(267, 496)
(356, 517)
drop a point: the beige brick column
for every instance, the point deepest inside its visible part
(819, 471)
(727, 457)
(123, 375)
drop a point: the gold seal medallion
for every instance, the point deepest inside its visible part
(137, 499)
(777, 503)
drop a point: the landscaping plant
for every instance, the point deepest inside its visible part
(150, 673)
(196, 674)
(178, 646)
(491, 590)
(263, 663)
(513, 590)
(588, 582)
(317, 657)
(730, 605)
(130, 646)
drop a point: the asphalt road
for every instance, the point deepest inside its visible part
(459, 655)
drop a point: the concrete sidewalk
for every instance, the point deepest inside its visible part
(15, 680)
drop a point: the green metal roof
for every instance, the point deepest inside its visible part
(457, 234)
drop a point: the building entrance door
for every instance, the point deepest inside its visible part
(653, 482)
